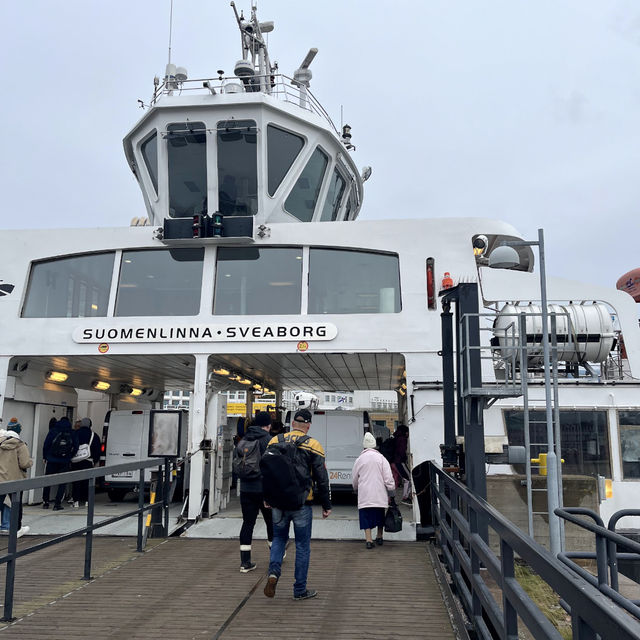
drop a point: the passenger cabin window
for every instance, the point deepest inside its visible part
(584, 439)
(282, 149)
(629, 423)
(163, 282)
(353, 282)
(149, 149)
(187, 161)
(334, 197)
(251, 281)
(237, 168)
(301, 202)
(74, 287)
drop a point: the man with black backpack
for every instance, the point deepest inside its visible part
(59, 447)
(293, 471)
(246, 466)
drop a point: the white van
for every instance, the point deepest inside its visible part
(126, 439)
(340, 433)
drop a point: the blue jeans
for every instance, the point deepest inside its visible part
(301, 519)
(6, 515)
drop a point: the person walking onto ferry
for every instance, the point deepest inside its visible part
(87, 455)
(373, 480)
(293, 471)
(248, 454)
(59, 447)
(14, 462)
(400, 458)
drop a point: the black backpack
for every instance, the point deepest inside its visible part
(284, 483)
(388, 448)
(62, 445)
(246, 459)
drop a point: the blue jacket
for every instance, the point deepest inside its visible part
(62, 425)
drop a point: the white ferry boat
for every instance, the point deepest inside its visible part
(249, 269)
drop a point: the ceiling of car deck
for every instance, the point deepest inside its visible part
(312, 371)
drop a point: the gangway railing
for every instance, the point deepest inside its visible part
(14, 489)
(459, 517)
(606, 555)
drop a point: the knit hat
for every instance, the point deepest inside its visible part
(303, 415)
(14, 425)
(262, 419)
(85, 422)
(369, 442)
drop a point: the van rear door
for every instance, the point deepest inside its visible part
(344, 434)
(128, 430)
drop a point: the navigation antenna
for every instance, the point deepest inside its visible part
(170, 29)
(255, 67)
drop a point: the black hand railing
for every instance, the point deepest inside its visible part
(15, 488)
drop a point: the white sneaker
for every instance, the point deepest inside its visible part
(86, 504)
(22, 531)
(76, 505)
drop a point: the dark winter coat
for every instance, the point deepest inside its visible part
(62, 425)
(84, 435)
(255, 433)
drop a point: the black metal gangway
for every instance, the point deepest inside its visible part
(16, 487)
(461, 521)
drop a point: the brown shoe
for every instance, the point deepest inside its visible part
(270, 587)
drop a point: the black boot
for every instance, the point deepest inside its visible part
(245, 559)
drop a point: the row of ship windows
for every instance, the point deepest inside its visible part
(248, 281)
(585, 445)
(237, 175)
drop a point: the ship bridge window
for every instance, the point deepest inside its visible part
(584, 439)
(187, 162)
(283, 148)
(629, 422)
(237, 168)
(343, 281)
(252, 281)
(301, 202)
(334, 197)
(149, 150)
(73, 287)
(164, 282)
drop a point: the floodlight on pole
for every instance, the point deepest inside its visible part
(504, 259)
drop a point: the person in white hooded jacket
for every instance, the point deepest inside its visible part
(14, 462)
(373, 480)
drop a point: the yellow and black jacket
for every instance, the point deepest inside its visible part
(313, 454)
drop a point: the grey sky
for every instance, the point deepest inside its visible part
(524, 111)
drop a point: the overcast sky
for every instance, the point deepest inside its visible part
(524, 111)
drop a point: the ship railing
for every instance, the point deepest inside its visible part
(277, 85)
(484, 553)
(14, 489)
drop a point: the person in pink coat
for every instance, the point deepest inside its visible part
(373, 480)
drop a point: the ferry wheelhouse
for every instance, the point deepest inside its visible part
(250, 270)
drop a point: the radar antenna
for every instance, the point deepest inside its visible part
(255, 67)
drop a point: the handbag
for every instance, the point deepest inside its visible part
(84, 451)
(393, 518)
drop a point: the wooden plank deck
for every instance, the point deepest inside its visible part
(191, 588)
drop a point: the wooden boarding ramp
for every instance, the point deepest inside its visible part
(192, 588)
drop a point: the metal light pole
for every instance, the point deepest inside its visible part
(553, 491)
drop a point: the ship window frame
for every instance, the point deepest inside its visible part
(255, 158)
(288, 172)
(298, 283)
(604, 461)
(154, 180)
(628, 426)
(192, 126)
(320, 187)
(123, 256)
(336, 210)
(85, 254)
(392, 254)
